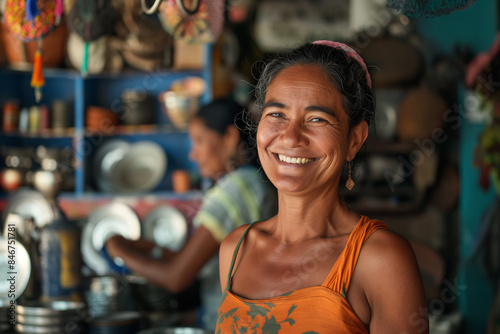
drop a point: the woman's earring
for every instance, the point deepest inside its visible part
(349, 183)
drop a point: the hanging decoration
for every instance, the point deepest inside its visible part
(31, 20)
(193, 21)
(428, 8)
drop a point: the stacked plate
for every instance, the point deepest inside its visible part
(51, 317)
(117, 323)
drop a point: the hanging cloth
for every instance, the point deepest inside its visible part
(31, 20)
(428, 8)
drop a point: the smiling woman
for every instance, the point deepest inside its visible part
(317, 266)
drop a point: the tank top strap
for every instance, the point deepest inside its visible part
(233, 260)
(340, 276)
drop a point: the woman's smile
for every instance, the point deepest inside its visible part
(294, 160)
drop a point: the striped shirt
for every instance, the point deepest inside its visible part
(238, 198)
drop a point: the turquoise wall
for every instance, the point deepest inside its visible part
(477, 28)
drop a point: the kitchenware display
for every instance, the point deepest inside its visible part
(141, 169)
(31, 203)
(106, 221)
(196, 21)
(167, 227)
(15, 269)
(420, 113)
(174, 330)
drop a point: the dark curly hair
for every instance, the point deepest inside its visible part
(346, 74)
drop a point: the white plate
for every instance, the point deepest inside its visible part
(167, 227)
(31, 203)
(141, 169)
(19, 273)
(112, 219)
(105, 159)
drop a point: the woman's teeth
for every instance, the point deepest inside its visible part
(289, 160)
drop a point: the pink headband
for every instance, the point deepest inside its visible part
(351, 53)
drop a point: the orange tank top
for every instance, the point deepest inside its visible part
(317, 309)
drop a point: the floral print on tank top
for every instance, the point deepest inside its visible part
(260, 319)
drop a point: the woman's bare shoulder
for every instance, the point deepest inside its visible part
(229, 243)
(388, 274)
(385, 247)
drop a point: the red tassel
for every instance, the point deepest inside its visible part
(37, 79)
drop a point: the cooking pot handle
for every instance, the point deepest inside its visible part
(153, 9)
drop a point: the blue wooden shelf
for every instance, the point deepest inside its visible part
(102, 90)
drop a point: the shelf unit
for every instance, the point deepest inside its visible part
(102, 90)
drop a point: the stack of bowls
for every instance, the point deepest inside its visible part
(106, 295)
(118, 323)
(51, 317)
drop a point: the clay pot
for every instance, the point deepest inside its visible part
(100, 119)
